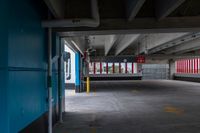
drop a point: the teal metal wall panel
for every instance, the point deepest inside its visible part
(3, 34)
(4, 125)
(27, 86)
(23, 66)
(4, 117)
(26, 37)
(27, 97)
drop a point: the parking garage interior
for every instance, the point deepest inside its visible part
(99, 66)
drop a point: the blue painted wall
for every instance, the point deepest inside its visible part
(4, 118)
(23, 66)
(27, 90)
(77, 68)
(4, 125)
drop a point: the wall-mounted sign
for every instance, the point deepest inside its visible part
(140, 59)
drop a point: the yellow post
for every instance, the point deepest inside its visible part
(88, 85)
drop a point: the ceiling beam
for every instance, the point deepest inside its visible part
(133, 7)
(124, 42)
(70, 45)
(77, 43)
(185, 47)
(147, 57)
(137, 26)
(151, 41)
(111, 39)
(56, 7)
(175, 42)
(166, 7)
(171, 56)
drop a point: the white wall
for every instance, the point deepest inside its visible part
(72, 80)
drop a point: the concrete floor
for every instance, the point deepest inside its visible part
(134, 107)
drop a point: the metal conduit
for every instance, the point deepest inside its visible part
(49, 80)
(60, 82)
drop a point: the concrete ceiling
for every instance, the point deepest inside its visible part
(125, 8)
(134, 44)
(127, 27)
(99, 41)
(124, 16)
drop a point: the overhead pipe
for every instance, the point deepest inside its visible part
(85, 22)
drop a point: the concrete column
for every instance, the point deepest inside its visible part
(82, 89)
(139, 68)
(85, 73)
(77, 72)
(172, 69)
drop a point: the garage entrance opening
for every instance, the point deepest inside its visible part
(125, 83)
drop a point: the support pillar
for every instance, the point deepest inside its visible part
(82, 75)
(139, 68)
(172, 69)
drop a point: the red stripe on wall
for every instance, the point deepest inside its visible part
(100, 67)
(188, 66)
(185, 66)
(119, 67)
(107, 67)
(182, 66)
(132, 67)
(126, 67)
(197, 65)
(94, 67)
(178, 62)
(177, 67)
(113, 67)
(193, 64)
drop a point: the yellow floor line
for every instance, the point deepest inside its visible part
(93, 130)
(174, 110)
